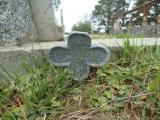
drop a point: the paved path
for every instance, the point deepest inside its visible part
(108, 42)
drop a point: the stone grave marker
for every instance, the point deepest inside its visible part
(79, 55)
(25, 21)
(44, 17)
(158, 29)
(16, 23)
(158, 19)
(116, 28)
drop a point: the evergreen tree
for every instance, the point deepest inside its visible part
(105, 8)
(57, 3)
(152, 15)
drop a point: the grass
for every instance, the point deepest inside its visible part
(123, 89)
(105, 36)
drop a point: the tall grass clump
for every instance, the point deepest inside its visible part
(39, 91)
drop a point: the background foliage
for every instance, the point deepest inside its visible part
(82, 26)
(105, 9)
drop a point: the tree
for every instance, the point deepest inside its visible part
(155, 10)
(105, 8)
(82, 26)
(57, 3)
(152, 15)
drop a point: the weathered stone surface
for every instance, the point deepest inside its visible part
(43, 13)
(116, 25)
(158, 30)
(13, 61)
(79, 55)
(158, 18)
(16, 24)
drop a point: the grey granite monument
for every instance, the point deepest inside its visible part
(16, 23)
(24, 21)
(79, 55)
(44, 17)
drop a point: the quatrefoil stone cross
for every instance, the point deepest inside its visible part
(79, 55)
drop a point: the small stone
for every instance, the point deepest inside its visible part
(79, 55)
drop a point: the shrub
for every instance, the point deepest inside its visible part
(82, 26)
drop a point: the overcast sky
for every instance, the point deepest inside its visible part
(75, 11)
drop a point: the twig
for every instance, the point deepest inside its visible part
(77, 112)
(78, 117)
(119, 99)
(22, 110)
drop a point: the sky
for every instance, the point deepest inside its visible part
(75, 11)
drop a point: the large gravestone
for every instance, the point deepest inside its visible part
(79, 55)
(20, 24)
(43, 13)
(16, 23)
(158, 18)
(116, 26)
(158, 30)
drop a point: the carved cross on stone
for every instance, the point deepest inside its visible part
(79, 55)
